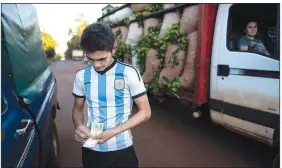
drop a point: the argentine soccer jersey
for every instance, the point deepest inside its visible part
(109, 96)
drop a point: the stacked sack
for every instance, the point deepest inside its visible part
(186, 59)
(185, 68)
(152, 62)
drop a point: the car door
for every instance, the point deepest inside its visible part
(249, 83)
(17, 129)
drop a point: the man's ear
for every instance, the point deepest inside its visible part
(115, 48)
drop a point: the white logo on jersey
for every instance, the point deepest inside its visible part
(119, 84)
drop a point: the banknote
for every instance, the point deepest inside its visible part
(96, 128)
(90, 143)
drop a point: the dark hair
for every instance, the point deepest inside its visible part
(258, 35)
(97, 37)
(248, 21)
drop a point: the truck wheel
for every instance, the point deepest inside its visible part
(205, 112)
(55, 160)
(276, 162)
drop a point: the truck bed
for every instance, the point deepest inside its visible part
(206, 21)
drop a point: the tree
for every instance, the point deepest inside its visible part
(49, 44)
(74, 42)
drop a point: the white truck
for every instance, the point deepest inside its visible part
(238, 89)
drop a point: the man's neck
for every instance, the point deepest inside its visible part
(110, 65)
(111, 62)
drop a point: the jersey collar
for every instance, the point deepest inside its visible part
(107, 69)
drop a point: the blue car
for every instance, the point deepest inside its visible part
(29, 102)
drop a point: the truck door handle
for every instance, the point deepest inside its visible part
(25, 124)
(223, 70)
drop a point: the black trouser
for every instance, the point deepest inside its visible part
(121, 158)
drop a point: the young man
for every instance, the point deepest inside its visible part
(109, 87)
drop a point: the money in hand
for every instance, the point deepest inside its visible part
(97, 128)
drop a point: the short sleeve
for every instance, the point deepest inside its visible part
(135, 84)
(242, 42)
(78, 87)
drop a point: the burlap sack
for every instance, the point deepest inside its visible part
(169, 20)
(139, 7)
(188, 76)
(189, 19)
(151, 66)
(134, 33)
(151, 22)
(171, 71)
(123, 35)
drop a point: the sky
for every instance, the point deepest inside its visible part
(56, 19)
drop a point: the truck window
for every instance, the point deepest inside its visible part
(4, 104)
(254, 28)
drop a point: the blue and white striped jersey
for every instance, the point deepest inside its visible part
(109, 95)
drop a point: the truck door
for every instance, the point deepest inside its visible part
(248, 80)
(17, 129)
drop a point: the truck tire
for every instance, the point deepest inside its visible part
(54, 159)
(276, 143)
(205, 108)
(276, 162)
(276, 137)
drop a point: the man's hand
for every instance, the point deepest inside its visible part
(105, 136)
(82, 133)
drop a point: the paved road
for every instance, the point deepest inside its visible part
(171, 138)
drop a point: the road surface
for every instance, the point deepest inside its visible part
(171, 138)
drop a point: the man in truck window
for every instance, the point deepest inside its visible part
(109, 87)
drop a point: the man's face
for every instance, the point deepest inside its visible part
(99, 59)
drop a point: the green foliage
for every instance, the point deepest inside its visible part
(144, 44)
(174, 86)
(50, 53)
(118, 33)
(112, 8)
(74, 42)
(57, 57)
(154, 86)
(138, 16)
(124, 21)
(122, 47)
(173, 36)
(141, 57)
(49, 44)
(154, 7)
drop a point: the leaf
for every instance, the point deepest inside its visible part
(178, 85)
